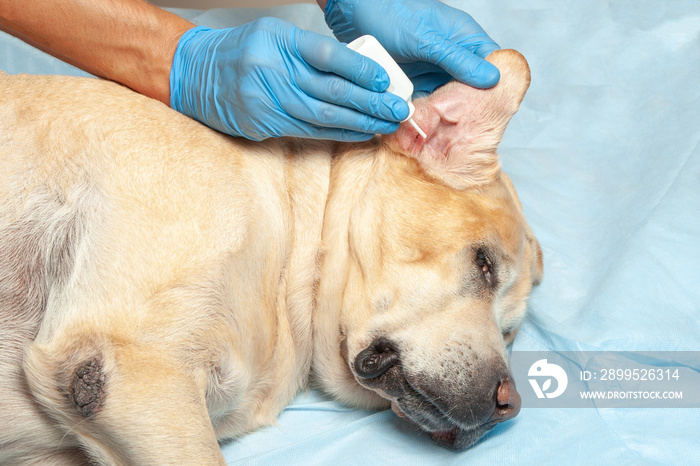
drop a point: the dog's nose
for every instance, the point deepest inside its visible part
(376, 359)
(507, 401)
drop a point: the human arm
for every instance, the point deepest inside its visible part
(262, 79)
(128, 41)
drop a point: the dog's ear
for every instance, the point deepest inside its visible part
(464, 125)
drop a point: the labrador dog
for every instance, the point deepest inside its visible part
(163, 286)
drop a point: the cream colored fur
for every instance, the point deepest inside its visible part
(208, 277)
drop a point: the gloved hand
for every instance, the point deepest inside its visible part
(269, 78)
(431, 41)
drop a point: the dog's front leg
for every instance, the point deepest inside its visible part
(124, 402)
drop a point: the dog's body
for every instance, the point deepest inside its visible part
(163, 285)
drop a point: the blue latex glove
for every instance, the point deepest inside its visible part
(431, 41)
(269, 78)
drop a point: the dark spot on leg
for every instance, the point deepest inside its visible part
(87, 388)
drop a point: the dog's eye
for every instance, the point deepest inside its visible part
(485, 265)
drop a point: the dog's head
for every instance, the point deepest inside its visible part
(438, 262)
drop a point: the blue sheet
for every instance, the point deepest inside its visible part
(605, 154)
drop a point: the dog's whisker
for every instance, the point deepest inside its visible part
(58, 447)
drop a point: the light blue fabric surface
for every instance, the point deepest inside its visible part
(605, 153)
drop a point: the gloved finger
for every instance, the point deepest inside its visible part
(339, 91)
(464, 65)
(335, 134)
(485, 48)
(327, 115)
(472, 37)
(299, 128)
(327, 54)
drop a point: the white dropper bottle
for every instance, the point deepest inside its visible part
(399, 85)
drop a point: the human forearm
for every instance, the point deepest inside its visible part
(128, 41)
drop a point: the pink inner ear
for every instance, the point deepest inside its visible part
(453, 116)
(408, 138)
(464, 125)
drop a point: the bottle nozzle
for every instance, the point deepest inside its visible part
(411, 110)
(417, 128)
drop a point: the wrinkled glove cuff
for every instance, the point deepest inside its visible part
(180, 67)
(339, 17)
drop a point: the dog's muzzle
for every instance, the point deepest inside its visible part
(454, 418)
